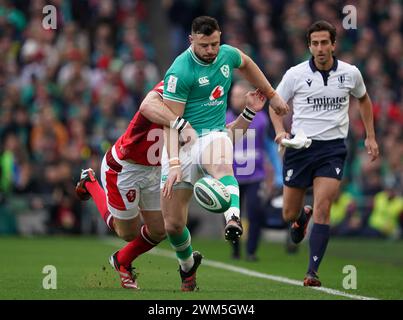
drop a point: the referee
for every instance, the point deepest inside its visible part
(319, 90)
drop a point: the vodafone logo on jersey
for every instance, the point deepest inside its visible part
(216, 93)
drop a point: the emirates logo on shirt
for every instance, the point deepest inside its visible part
(217, 92)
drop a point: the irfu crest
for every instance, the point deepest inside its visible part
(225, 70)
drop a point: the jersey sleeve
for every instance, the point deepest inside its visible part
(285, 89)
(359, 88)
(177, 82)
(159, 88)
(233, 55)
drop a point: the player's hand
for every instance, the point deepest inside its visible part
(174, 176)
(280, 136)
(279, 106)
(372, 148)
(188, 137)
(255, 100)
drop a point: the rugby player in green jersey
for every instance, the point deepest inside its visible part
(196, 88)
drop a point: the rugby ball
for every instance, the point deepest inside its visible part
(212, 195)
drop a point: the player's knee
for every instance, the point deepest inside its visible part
(222, 169)
(126, 235)
(322, 213)
(158, 234)
(159, 237)
(174, 228)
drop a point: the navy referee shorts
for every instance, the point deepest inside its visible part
(321, 159)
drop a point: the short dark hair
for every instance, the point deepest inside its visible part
(322, 25)
(205, 25)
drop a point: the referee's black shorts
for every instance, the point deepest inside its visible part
(321, 159)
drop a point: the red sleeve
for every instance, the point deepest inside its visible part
(159, 88)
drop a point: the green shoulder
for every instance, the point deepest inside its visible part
(232, 54)
(179, 78)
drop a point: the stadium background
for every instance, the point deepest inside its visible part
(67, 94)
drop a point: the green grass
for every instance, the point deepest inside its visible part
(84, 273)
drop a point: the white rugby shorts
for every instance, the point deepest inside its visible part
(191, 160)
(129, 187)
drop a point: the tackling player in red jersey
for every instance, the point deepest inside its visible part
(130, 174)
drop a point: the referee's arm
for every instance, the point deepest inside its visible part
(367, 118)
(278, 125)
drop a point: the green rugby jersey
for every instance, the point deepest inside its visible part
(203, 87)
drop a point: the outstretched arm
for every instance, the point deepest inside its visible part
(255, 101)
(255, 76)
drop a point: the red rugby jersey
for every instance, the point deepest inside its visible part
(137, 144)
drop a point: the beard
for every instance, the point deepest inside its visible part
(206, 59)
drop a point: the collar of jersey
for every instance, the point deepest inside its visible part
(314, 68)
(198, 60)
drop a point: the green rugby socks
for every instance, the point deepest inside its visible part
(183, 248)
(231, 184)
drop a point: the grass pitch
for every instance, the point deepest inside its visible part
(83, 271)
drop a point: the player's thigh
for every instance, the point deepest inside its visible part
(217, 155)
(150, 204)
(325, 191)
(218, 150)
(293, 201)
(175, 210)
(150, 190)
(155, 224)
(121, 183)
(190, 169)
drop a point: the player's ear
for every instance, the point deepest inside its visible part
(333, 47)
(309, 46)
(190, 38)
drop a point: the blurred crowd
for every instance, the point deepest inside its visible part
(67, 94)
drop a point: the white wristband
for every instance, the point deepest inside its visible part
(175, 123)
(248, 114)
(179, 124)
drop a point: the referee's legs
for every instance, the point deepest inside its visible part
(324, 190)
